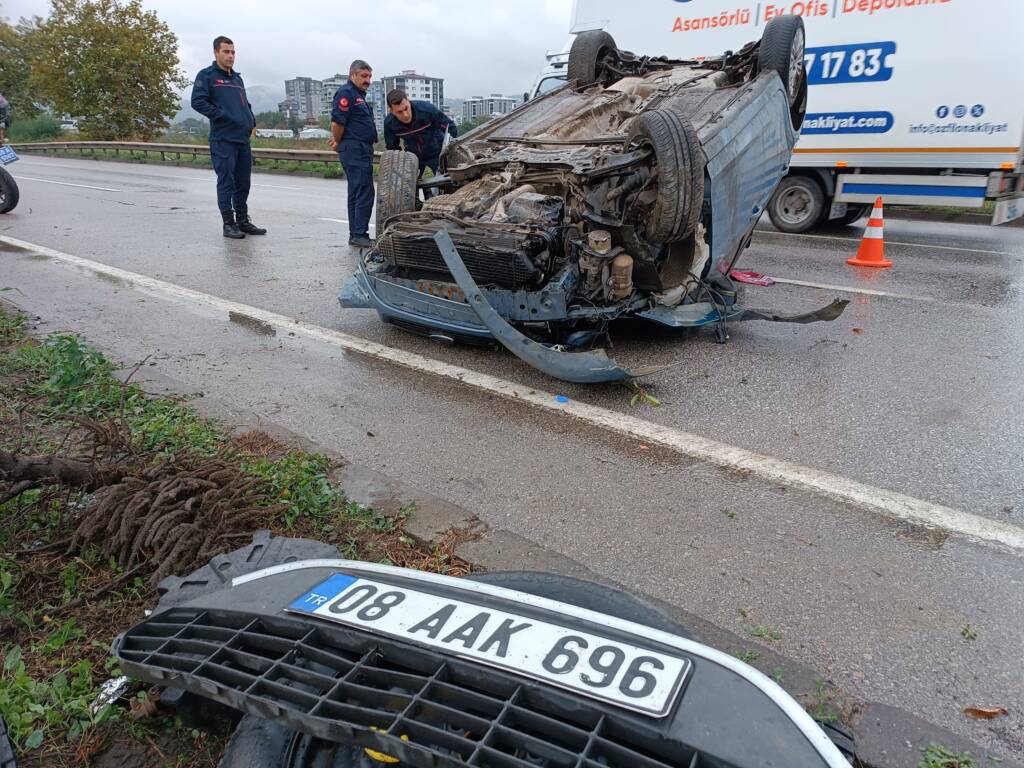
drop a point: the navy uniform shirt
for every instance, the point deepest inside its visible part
(424, 135)
(220, 96)
(351, 111)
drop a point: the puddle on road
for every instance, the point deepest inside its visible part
(17, 249)
(932, 539)
(113, 280)
(254, 325)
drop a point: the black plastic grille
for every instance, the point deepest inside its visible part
(506, 260)
(348, 686)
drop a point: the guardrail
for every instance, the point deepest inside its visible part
(177, 150)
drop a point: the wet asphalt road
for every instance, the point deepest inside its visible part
(918, 393)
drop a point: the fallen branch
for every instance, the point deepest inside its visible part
(53, 470)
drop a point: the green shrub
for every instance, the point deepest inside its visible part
(38, 128)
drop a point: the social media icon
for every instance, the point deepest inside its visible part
(942, 112)
(977, 110)
(960, 110)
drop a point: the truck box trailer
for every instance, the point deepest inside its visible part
(919, 101)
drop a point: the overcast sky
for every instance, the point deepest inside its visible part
(477, 47)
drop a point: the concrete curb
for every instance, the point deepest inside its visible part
(885, 736)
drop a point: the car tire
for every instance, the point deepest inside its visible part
(797, 204)
(782, 50)
(680, 162)
(396, 185)
(586, 55)
(8, 192)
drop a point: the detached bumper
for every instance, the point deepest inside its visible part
(411, 308)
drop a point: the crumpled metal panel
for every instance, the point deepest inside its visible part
(748, 152)
(579, 367)
(435, 300)
(706, 313)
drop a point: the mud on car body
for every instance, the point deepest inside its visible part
(343, 664)
(630, 191)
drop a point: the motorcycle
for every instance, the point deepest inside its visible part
(8, 186)
(308, 660)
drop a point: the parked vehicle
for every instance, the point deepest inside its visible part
(9, 194)
(631, 190)
(340, 664)
(916, 101)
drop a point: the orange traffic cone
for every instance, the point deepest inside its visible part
(872, 247)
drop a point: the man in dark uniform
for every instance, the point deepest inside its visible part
(219, 94)
(4, 112)
(353, 134)
(419, 126)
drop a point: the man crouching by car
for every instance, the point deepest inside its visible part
(219, 94)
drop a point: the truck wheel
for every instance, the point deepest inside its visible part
(396, 185)
(587, 55)
(680, 168)
(8, 192)
(797, 205)
(853, 212)
(782, 51)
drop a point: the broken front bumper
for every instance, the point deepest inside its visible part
(473, 313)
(388, 679)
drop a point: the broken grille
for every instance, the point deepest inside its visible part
(421, 706)
(507, 261)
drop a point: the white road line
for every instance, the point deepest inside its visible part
(889, 242)
(345, 222)
(767, 468)
(65, 183)
(849, 289)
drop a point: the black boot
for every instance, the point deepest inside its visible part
(360, 241)
(245, 224)
(230, 228)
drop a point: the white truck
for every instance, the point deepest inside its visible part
(919, 101)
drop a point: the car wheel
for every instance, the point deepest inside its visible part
(8, 192)
(782, 51)
(396, 185)
(680, 173)
(797, 205)
(587, 56)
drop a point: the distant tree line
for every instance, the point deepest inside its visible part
(108, 63)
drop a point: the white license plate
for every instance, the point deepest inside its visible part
(610, 670)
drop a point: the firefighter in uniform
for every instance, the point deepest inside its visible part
(353, 134)
(418, 126)
(219, 94)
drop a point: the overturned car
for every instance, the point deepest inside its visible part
(630, 191)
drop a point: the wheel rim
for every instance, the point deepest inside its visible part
(794, 206)
(796, 65)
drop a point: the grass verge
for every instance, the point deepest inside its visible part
(64, 595)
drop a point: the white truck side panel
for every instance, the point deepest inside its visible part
(893, 83)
